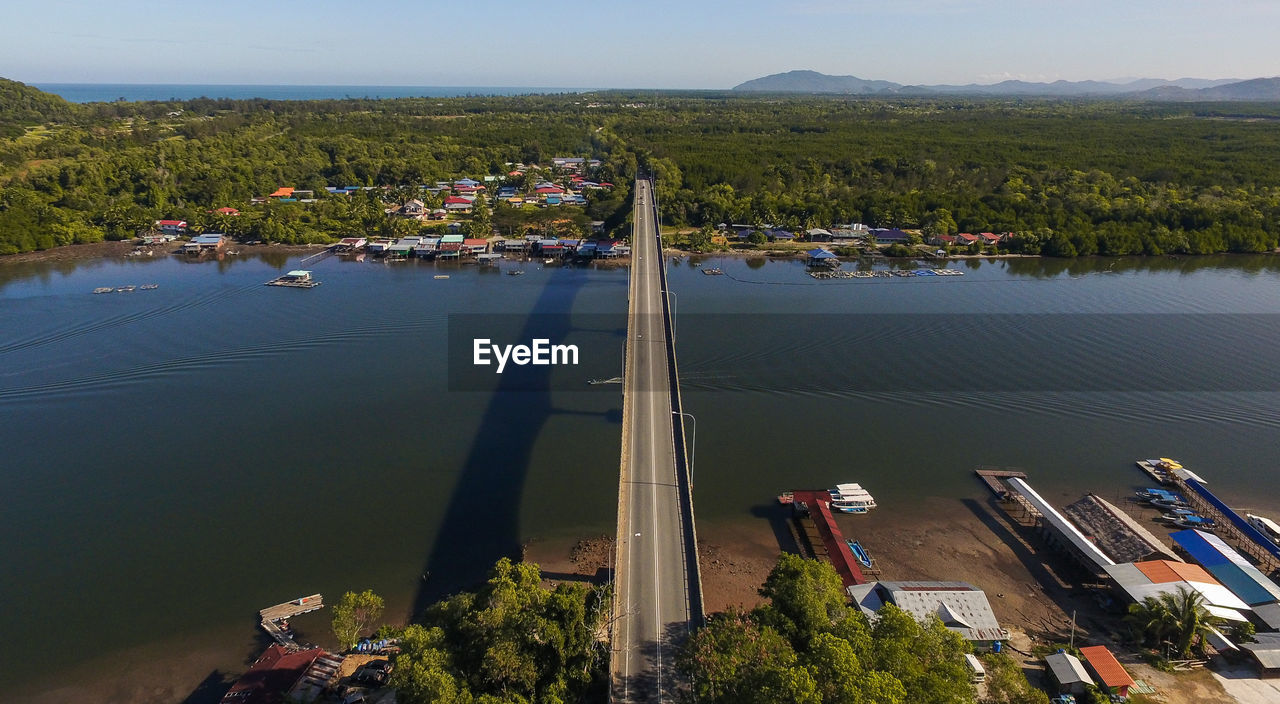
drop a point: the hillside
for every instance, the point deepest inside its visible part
(21, 104)
(812, 82)
(1257, 89)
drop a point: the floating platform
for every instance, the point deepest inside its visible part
(1160, 469)
(298, 278)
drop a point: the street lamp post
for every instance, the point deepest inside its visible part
(693, 446)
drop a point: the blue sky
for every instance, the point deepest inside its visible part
(620, 43)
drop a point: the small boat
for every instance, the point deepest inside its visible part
(712, 272)
(547, 261)
(126, 289)
(859, 552)
(1153, 495)
(148, 287)
(515, 272)
(440, 276)
(103, 289)
(1168, 503)
(1187, 520)
(851, 498)
(1266, 526)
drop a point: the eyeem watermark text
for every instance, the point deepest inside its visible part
(540, 352)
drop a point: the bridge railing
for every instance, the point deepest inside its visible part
(685, 479)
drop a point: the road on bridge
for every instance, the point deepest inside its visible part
(652, 582)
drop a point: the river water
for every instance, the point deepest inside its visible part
(176, 459)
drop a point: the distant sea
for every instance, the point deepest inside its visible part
(107, 92)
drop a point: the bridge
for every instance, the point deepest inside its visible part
(657, 587)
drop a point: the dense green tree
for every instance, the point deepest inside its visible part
(807, 644)
(510, 641)
(354, 616)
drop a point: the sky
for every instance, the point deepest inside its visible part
(627, 44)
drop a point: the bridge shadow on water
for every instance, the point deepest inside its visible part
(481, 524)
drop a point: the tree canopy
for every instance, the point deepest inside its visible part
(510, 641)
(807, 645)
(1065, 177)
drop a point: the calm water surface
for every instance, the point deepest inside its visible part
(176, 459)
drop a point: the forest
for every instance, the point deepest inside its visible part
(1065, 177)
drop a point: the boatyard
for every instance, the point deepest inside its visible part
(1073, 571)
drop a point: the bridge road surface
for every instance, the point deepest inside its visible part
(652, 599)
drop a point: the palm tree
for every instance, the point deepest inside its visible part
(1179, 618)
(1151, 620)
(1192, 618)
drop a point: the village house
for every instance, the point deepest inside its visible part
(1067, 672)
(817, 234)
(457, 204)
(280, 675)
(350, 244)
(282, 193)
(200, 244)
(414, 209)
(426, 247)
(962, 607)
(171, 227)
(890, 235)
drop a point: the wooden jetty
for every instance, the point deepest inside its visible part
(992, 478)
(273, 616)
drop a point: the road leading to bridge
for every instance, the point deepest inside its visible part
(655, 581)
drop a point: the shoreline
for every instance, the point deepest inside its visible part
(122, 248)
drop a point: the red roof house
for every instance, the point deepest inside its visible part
(282, 192)
(227, 211)
(272, 676)
(1107, 669)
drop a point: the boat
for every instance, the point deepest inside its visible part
(103, 289)
(1196, 521)
(1168, 503)
(851, 498)
(126, 289)
(713, 272)
(515, 272)
(1266, 526)
(148, 287)
(440, 276)
(860, 553)
(1187, 520)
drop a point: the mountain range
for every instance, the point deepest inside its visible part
(1142, 88)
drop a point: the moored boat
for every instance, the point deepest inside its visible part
(1266, 526)
(851, 498)
(859, 553)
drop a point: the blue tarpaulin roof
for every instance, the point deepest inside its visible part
(1236, 519)
(1228, 566)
